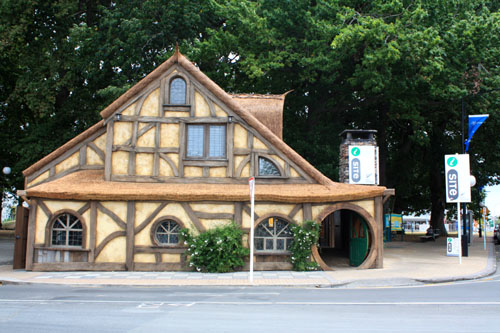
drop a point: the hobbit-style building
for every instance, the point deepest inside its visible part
(176, 151)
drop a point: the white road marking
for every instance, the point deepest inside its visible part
(143, 304)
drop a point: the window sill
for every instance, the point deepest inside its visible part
(177, 107)
(62, 248)
(168, 246)
(271, 177)
(272, 253)
(205, 162)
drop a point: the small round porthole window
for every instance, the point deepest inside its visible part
(167, 232)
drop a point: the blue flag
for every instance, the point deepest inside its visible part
(475, 120)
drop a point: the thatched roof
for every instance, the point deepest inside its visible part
(227, 99)
(90, 185)
(268, 109)
(238, 109)
(64, 148)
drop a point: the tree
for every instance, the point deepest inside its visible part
(401, 67)
(414, 61)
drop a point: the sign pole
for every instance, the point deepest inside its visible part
(251, 182)
(459, 234)
(484, 227)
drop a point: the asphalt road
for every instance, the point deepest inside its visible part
(458, 307)
(468, 306)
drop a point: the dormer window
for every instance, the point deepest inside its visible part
(177, 91)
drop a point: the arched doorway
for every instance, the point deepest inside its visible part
(346, 238)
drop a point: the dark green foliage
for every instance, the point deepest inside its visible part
(304, 237)
(217, 250)
(400, 67)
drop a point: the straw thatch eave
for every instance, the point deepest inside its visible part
(90, 185)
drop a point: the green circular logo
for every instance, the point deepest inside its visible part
(452, 162)
(355, 151)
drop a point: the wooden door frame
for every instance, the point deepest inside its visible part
(21, 238)
(373, 230)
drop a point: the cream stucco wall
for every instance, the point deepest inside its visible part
(122, 132)
(119, 162)
(144, 164)
(171, 258)
(68, 163)
(214, 223)
(165, 169)
(368, 205)
(151, 105)
(269, 209)
(217, 172)
(114, 251)
(190, 171)
(201, 106)
(257, 144)
(40, 178)
(93, 158)
(144, 258)
(142, 211)
(219, 112)
(130, 110)
(169, 135)
(56, 207)
(101, 142)
(240, 136)
(147, 139)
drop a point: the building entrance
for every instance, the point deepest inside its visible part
(344, 239)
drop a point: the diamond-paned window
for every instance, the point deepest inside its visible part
(167, 233)
(273, 235)
(268, 168)
(67, 230)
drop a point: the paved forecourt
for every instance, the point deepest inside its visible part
(405, 263)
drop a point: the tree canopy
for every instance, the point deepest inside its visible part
(398, 66)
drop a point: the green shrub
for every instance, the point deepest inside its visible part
(304, 237)
(217, 250)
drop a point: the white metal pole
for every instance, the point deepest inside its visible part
(459, 234)
(252, 217)
(484, 227)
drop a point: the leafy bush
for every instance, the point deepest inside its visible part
(217, 250)
(305, 236)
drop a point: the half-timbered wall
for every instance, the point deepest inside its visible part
(146, 140)
(119, 235)
(88, 155)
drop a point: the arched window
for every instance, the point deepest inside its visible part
(67, 230)
(268, 168)
(167, 232)
(273, 235)
(178, 91)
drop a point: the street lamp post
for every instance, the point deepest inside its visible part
(6, 171)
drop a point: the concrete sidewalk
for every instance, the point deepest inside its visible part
(405, 263)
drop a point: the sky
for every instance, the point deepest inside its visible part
(492, 200)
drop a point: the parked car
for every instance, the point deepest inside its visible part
(496, 233)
